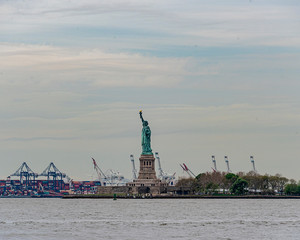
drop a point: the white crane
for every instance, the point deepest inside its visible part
(133, 167)
(214, 162)
(227, 164)
(160, 171)
(163, 175)
(253, 164)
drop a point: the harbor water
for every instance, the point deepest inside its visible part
(135, 219)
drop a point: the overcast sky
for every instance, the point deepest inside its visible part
(213, 77)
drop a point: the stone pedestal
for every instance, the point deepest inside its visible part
(147, 167)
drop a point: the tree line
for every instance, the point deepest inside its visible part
(240, 184)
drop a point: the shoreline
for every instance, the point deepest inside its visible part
(178, 197)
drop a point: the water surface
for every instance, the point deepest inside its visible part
(77, 219)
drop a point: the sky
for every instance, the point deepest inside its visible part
(212, 77)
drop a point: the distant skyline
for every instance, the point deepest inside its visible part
(212, 78)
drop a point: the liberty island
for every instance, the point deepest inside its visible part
(147, 181)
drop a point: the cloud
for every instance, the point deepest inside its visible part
(44, 65)
(171, 22)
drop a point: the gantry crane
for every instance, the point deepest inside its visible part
(57, 176)
(27, 176)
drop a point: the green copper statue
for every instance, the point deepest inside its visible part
(146, 137)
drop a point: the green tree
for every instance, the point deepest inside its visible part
(211, 188)
(239, 186)
(291, 189)
(231, 176)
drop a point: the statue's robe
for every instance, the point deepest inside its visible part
(146, 140)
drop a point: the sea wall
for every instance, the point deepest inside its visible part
(112, 189)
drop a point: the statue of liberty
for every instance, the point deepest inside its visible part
(146, 137)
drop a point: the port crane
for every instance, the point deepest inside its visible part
(171, 179)
(187, 170)
(163, 175)
(160, 171)
(115, 178)
(134, 172)
(227, 164)
(57, 176)
(110, 177)
(253, 164)
(214, 163)
(99, 172)
(27, 176)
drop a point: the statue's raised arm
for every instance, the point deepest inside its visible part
(141, 116)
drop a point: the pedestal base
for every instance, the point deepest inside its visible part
(144, 186)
